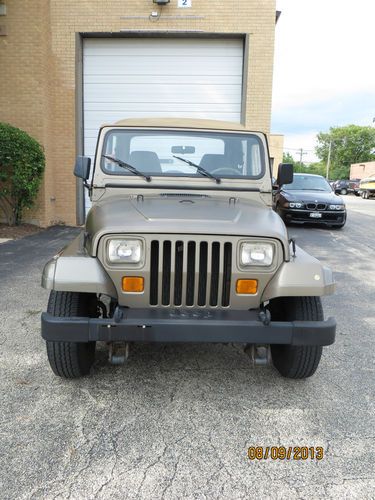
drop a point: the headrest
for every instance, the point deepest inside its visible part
(145, 161)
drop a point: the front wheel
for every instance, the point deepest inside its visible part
(71, 359)
(297, 361)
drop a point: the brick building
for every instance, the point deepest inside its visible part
(362, 170)
(61, 62)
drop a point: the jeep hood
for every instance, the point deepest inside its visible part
(183, 215)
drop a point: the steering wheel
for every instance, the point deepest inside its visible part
(227, 170)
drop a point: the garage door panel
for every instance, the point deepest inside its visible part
(160, 66)
(181, 79)
(102, 119)
(162, 93)
(90, 145)
(96, 108)
(165, 47)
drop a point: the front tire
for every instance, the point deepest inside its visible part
(291, 361)
(71, 359)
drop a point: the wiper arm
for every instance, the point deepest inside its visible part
(200, 169)
(125, 165)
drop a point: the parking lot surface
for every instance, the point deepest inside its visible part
(176, 421)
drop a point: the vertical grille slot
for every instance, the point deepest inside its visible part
(166, 283)
(154, 269)
(202, 286)
(215, 264)
(179, 261)
(190, 274)
(227, 274)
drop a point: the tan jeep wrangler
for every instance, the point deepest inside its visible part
(182, 245)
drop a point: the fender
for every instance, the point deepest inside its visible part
(302, 276)
(74, 270)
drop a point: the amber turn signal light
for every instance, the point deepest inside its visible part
(135, 284)
(247, 287)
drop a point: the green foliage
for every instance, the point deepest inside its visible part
(316, 168)
(288, 158)
(297, 166)
(312, 168)
(21, 168)
(349, 144)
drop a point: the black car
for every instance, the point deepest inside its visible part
(344, 186)
(309, 199)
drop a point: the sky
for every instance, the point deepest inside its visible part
(324, 71)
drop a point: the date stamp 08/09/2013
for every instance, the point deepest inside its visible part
(285, 453)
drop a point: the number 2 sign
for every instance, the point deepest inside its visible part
(184, 3)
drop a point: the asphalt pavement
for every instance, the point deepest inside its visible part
(177, 420)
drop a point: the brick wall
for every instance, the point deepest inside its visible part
(276, 145)
(362, 170)
(37, 57)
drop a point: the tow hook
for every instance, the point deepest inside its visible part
(259, 354)
(118, 352)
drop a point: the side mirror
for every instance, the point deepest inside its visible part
(284, 174)
(82, 167)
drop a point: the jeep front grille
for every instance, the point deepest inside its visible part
(190, 273)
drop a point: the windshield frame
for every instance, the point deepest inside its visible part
(105, 132)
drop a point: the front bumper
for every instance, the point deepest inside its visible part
(331, 217)
(187, 325)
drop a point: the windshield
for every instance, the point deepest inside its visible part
(308, 183)
(166, 153)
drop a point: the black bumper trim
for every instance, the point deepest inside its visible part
(176, 325)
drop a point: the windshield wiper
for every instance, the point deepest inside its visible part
(131, 169)
(200, 169)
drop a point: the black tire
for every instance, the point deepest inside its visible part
(71, 359)
(297, 362)
(343, 191)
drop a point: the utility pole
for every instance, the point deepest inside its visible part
(301, 153)
(329, 159)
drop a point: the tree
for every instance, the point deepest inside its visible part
(297, 166)
(349, 144)
(312, 168)
(288, 158)
(21, 168)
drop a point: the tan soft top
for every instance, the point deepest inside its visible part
(179, 123)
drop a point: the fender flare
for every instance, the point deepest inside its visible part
(73, 270)
(302, 276)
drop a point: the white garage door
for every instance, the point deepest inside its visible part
(127, 78)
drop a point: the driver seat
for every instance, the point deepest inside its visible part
(145, 161)
(211, 162)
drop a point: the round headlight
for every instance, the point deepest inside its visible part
(256, 254)
(336, 207)
(126, 251)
